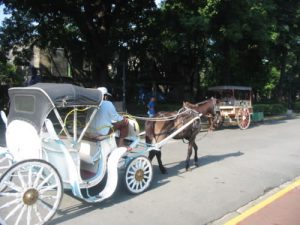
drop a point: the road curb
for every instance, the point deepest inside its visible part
(238, 215)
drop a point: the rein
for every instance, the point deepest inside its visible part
(165, 118)
(186, 110)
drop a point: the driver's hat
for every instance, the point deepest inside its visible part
(104, 91)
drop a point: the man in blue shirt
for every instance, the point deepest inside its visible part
(151, 107)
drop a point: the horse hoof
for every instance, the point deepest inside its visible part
(196, 164)
(188, 169)
(163, 170)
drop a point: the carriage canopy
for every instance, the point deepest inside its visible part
(230, 87)
(231, 91)
(34, 103)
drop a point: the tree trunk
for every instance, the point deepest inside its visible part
(279, 90)
(99, 73)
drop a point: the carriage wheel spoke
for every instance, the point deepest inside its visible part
(44, 205)
(44, 181)
(48, 188)
(134, 187)
(10, 194)
(131, 181)
(44, 197)
(12, 212)
(15, 201)
(20, 215)
(37, 213)
(131, 172)
(30, 177)
(134, 167)
(13, 186)
(21, 178)
(38, 177)
(2, 159)
(146, 176)
(29, 210)
(140, 185)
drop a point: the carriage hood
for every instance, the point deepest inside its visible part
(34, 103)
(230, 87)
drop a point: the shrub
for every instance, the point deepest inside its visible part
(270, 109)
(297, 106)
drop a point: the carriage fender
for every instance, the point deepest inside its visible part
(112, 173)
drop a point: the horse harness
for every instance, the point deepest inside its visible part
(181, 116)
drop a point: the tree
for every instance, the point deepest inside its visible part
(83, 26)
(178, 48)
(239, 36)
(286, 48)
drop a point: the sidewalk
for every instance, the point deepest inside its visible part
(281, 208)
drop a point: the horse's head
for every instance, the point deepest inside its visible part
(206, 107)
(213, 100)
(188, 105)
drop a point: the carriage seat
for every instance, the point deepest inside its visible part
(89, 151)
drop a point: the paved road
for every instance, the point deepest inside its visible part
(236, 167)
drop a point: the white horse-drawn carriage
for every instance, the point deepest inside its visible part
(47, 152)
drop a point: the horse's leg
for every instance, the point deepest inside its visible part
(211, 124)
(163, 170)
(156, 153)
(189, 153)
(149, 126)
(151, 155)
(195, 147)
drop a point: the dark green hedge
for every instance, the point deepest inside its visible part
(297, 106)
(270, 109)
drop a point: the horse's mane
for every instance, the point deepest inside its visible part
(204, 107)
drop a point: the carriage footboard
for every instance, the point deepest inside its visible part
(112, 176)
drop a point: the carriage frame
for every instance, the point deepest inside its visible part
(234, 105)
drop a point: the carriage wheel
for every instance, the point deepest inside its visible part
(5, 164)
(243, 118)
(33, 192)
(218, 121)
(138, 175)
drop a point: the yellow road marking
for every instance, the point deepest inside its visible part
(262, 204)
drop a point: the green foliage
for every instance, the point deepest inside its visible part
(272, 82)
(9, 76)
(189, 42)
(270, 109)
(297, 106)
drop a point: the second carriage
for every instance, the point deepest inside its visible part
(234, 105)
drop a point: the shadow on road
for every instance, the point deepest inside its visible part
(178, 167)
(121, 194)
(205, 160)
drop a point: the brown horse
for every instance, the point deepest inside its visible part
(158, 129)
(207, 108)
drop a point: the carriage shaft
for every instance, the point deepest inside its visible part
(164, 141)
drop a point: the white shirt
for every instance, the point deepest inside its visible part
(105, 116)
